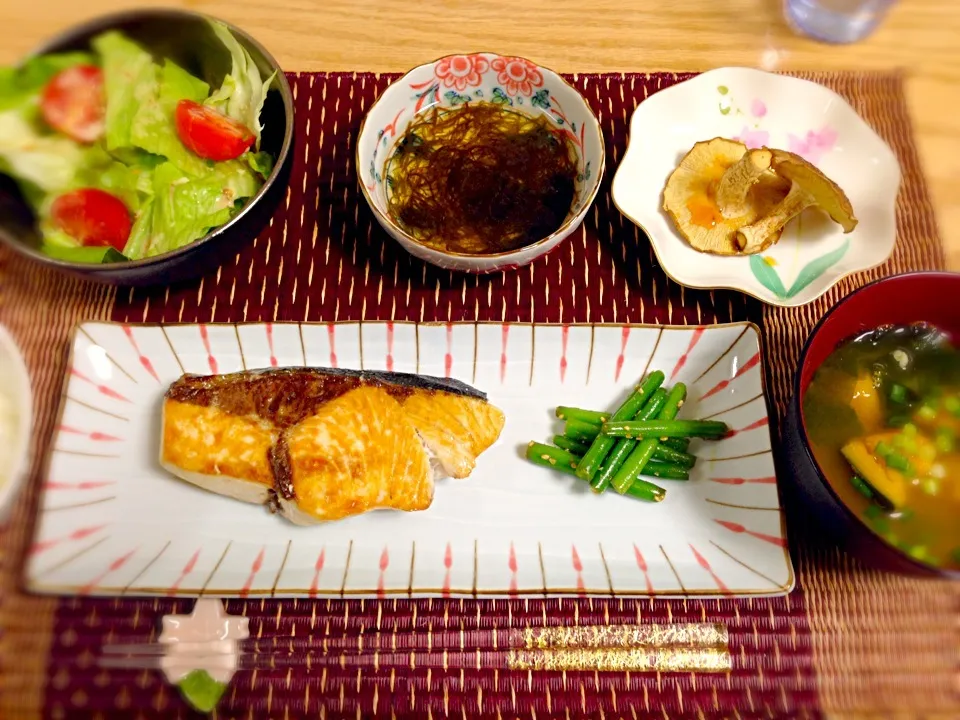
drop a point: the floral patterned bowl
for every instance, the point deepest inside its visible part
(760, 108)
(458, 79)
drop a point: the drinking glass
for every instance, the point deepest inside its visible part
(837, 21)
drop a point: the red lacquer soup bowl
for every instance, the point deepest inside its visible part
(928, 297)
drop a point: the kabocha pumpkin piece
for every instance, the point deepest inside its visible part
(690, 195)
(808, 188)
(887, 482)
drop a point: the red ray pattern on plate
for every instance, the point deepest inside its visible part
(211, 360)
(102, 389)
(578, 567)
(738, 528)
(96, 436)
(505, 334)
(317, 569)
(84, 532)
(748, 365)
(254, 569)
(642, 564)
(564, 340)
(144, 360)
(447, 564)
(389, 347)
(694, 339)
(111, 568)
(384, 564)
(448, 357)
(273, 356)
(756, 424)
(85, 485)
(624, 337)
(771, 480)
(187, 569)
(332, 336)
(706, 566)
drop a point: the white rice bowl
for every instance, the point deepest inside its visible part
(16, 414)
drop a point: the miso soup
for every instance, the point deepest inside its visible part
(883, 417)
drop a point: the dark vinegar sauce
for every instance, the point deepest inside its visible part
(480, 179)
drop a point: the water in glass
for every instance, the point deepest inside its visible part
(837, 21)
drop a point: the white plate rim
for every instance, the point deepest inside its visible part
(524, 592)
(696, 283)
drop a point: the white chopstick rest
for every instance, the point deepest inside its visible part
(207, 639)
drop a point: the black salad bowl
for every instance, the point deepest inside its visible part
(187, 39)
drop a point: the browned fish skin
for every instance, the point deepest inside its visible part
(282, 471)
(285, 396)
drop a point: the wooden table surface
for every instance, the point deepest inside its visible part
(921, 37)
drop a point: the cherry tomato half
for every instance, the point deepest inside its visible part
(211, 134)
(73, 103)
(93, 217)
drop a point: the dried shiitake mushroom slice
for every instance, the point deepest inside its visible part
(690, 195)
(808, 188)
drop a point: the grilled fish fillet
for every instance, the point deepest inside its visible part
(324, 444)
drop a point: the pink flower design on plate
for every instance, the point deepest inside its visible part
(518, 76)
(753, 138)
(758, 108)
(815, 145)
(461, 71)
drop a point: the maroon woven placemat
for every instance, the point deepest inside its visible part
(323, 258)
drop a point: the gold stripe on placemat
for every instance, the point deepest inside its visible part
(702, 659)
(880, 640)
(40, 308)
(626, 636)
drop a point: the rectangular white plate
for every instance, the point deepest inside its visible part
(113, 522)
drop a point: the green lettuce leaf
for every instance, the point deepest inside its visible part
(131, 80)
(46, 162)
(131, 183)
(79, 254)
(20, 86)
(243, 92)
(260, 162)
(54, 237)
(153, 127)
(140, 233)
(185, 208)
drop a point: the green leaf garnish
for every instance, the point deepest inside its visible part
(201, 690)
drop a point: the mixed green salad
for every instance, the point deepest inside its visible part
(123, 157)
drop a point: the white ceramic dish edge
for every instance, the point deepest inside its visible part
(692, 269)
(14, 371)
(111, 522)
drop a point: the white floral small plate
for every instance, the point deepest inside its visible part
(760, 108)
